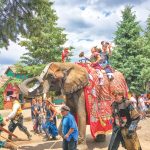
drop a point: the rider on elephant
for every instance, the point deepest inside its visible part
(125, 123)
(64, 55)
(105, 53)
(95, 59)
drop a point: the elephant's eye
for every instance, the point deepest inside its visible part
(51, 76)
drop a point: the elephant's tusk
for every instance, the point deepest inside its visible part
(37, 84)
(44, 96)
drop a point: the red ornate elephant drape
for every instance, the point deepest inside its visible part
(99, 99)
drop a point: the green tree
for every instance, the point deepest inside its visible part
(145, 73)
(128, 53)
(16, 17)
(46, 46)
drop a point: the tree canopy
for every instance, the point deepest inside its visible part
(16, 18)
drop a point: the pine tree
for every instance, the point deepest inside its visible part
(127, 55)
(145, 73)
(147, 39)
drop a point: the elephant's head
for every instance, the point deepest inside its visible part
(64, 77)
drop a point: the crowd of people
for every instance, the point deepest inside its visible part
(43, 114)
(141, 103)
(126, 115)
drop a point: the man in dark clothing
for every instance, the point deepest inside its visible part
(125, 122)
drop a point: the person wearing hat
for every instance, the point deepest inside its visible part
(16, 118)
(125, 120)
(68, 129)
(5, 144)
(49, 126)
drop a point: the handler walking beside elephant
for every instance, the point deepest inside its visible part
(125, 122)
(69, 129)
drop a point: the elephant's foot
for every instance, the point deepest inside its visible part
(82, 147)
(100, 138)
(81, 140)
(82, 144)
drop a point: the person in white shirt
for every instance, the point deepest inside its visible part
(133, 100)
(142, 107)
(16, 118)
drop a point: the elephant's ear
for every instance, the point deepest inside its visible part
(76, 78)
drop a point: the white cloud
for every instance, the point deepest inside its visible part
(12, 54)
(92, 21)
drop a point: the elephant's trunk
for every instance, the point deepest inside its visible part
(24, 85)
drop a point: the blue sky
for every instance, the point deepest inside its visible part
(86, 23)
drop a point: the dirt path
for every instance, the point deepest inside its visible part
(37, 143)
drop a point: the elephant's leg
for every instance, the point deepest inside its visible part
(81, 114)
(76, 102)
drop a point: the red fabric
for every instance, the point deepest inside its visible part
(64, 54)
(99, 99)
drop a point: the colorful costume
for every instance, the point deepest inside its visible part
(126, 119)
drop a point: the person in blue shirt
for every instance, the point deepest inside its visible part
(69, 129)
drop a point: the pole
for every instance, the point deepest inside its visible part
(8, 132)
(9, 140)
(55, 143)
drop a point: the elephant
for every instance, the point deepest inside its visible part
(70, 79)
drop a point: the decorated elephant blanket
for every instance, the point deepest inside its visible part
(99, 99)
